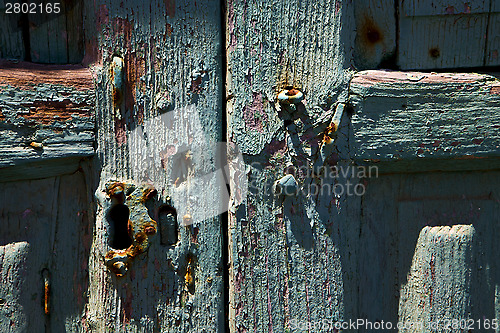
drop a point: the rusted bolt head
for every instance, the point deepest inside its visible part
(119, 268)
(290, 96)
(114, 188)
(150, 230)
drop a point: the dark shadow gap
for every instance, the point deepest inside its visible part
(224, 217)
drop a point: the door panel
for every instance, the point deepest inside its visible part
(45, 227)
(429, 247)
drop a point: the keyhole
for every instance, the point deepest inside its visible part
(167, 217)
(118, 218)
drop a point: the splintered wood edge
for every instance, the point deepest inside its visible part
(391, 137)
(21, 73)
(373, 77)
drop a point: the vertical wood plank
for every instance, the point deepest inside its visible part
(57, 38)
(291, 262)
(439, 283)
(442, 34)
(13, 315)
(70, 254)
(28, 209)
(74, 29)
(396, 265)
(11, 35)
(493, 46)
(172, 67)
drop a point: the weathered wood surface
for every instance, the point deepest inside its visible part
(46, 224)
(407, 273)
(46, 119)
(172, 67)
(443, 34)
(410, 121)
(11, 34)
(290, 258)
(493, 46)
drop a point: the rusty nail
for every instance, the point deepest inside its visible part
(46, 291)
(36, 145)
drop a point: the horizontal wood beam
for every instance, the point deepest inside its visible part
(411, 121)
(46, 118)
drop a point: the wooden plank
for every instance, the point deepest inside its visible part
(375, 43)
(13, 257)
(55, 119)
(493, 45)
(412, 119)
(70, 252)
(443, 7)
(11, 35)
(442, 34)
(48, 35)
(74, 27)
(395, 248)
(431, 42)
(45, 226)
(171, 66)
(291, 259)
(29, 209)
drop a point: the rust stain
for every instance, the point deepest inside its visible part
(140, 225)
(194, 235)
(46, 291)
(495, 89)
(48, 112)
(169, 30)
(434, 52)
(369, 33)
(189, 279)
(135, 68)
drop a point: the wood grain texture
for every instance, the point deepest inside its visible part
(406, 117)
(57, 38)
(46, 224)
(47, 117)
(442, 34)
(171, 52)
(376, 27)
(427, 249)
(11, 36)
(493, 45)
(290, 257)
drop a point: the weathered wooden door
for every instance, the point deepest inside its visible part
(371, 196)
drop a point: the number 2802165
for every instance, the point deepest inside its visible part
(32, 8)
